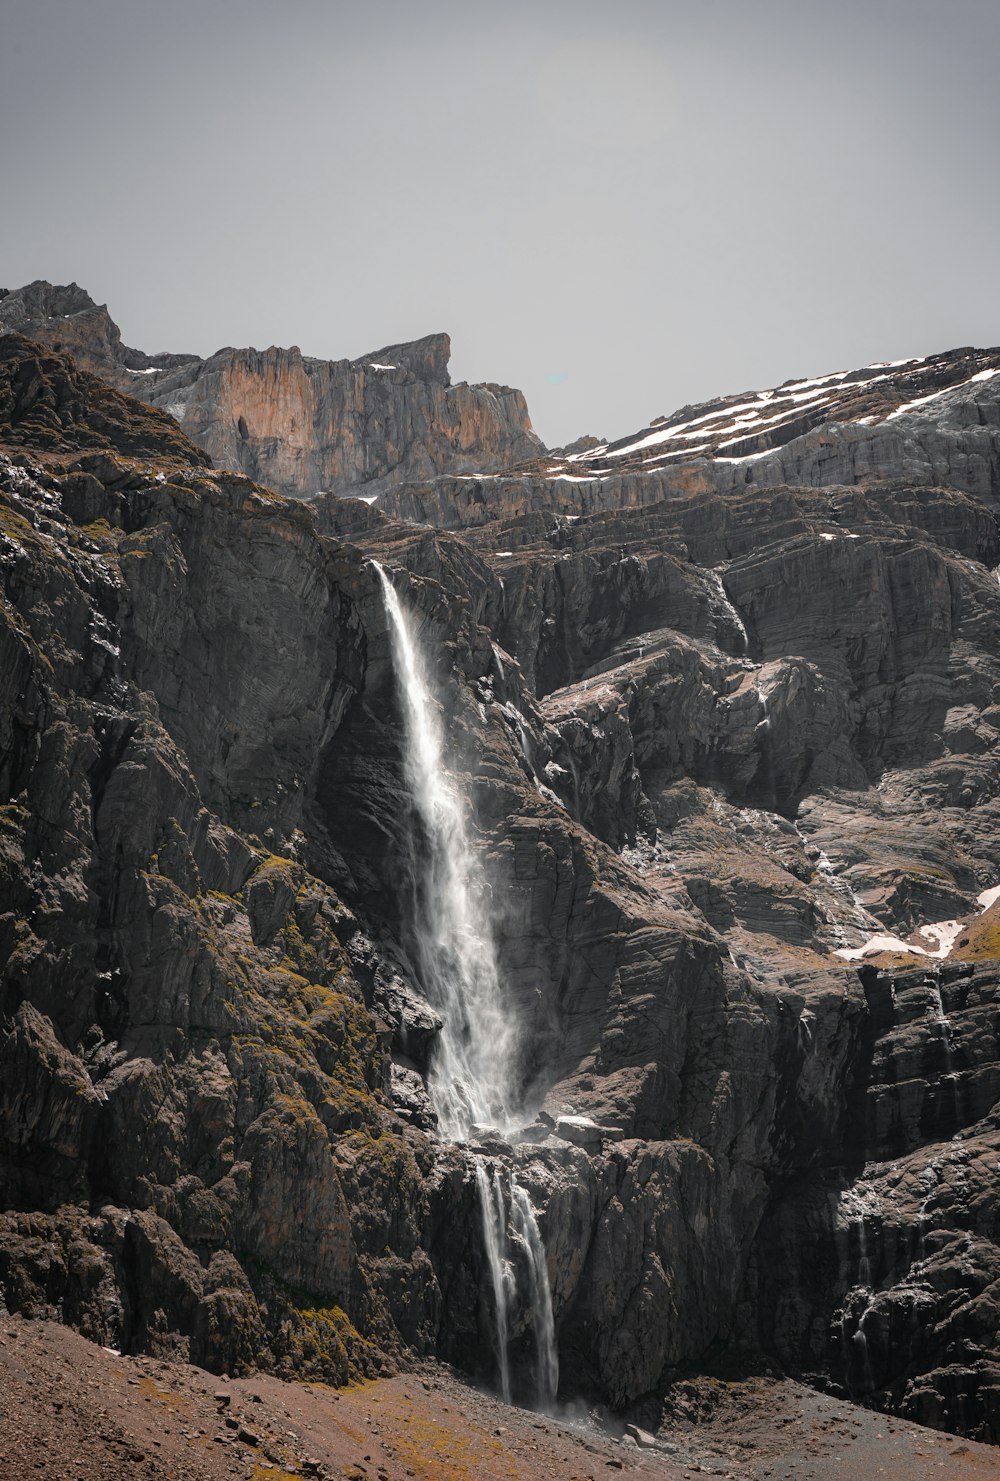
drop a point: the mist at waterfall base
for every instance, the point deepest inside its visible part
(472, 1079)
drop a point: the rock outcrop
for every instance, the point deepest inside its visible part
(294, 422)
(711, 741)
(895, 1270)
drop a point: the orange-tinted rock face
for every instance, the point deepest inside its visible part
(295, 423)
(303, 425)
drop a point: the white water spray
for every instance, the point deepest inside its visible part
(501, 1248)
(495, 1242)
(472, 1072)
(472, 1075)
(526, 1224)
(728, 606)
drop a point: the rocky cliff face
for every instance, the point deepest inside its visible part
(729, 752)
(293, 422)
(930, 422)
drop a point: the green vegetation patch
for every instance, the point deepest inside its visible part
(980, 941)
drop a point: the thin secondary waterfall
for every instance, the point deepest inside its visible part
(472, 1073)
(523, 1223)
(495, 1241)
(471, 1079)
(526, 1224)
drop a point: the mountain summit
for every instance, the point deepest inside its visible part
(299, 424)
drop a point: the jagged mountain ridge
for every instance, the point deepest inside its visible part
(707, 740)
(294, 422)
(732, 429)
(931, 421)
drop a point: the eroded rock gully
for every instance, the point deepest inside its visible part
(708, 742)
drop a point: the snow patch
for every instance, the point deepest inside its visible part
(748, 457)
(893, 364)
(983, 375)
(944, 933)
(875, 944)
(940, 936)
(818, 380)
(679, 452)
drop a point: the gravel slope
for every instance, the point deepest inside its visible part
(71, 1411)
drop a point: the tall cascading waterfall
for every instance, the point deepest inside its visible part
(472, 1076)
(472, 1072)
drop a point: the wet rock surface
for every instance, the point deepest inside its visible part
(708, 743)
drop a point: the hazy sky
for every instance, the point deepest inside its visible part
(619, 207)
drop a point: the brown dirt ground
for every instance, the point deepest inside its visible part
(70, 1411)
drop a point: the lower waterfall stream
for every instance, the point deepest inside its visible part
(471, 1080)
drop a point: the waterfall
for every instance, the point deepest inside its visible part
(500, 1260)
(471, 1080)
(526, 1224)
(937, 1006)
(864, 1264)
(495, 1242)
(726, 601)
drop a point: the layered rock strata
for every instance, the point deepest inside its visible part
(708, 744)
(934, 421)
(893, 1271)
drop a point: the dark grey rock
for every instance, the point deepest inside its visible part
(705, 746)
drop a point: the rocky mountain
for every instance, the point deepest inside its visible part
(728, 736)
(929, 421)
(293, 422)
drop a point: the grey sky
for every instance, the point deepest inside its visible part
(617, 207)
